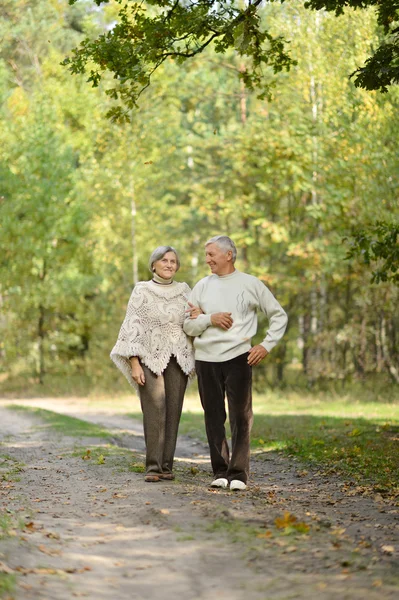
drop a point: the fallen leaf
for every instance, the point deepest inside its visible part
(388, 549)
(49, 551)
(115, 495)
(289, 522)
(5, 568)
(267, 534)
(164, 511)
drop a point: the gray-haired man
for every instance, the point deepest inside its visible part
(224, 357)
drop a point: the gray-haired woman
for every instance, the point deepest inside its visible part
(157, 357)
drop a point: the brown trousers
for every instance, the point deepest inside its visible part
(161, 400)
(232, 378)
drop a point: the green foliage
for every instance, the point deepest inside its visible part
(381, 70)
(378, 244)
(143, 38)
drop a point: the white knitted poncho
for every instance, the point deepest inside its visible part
(153, 329)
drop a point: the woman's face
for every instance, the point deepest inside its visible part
(166, 267)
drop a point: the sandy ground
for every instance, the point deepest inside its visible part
(98, 531)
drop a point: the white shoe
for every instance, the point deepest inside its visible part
(221, 482)
(236, 485)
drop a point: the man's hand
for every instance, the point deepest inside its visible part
(256, 354)
(194, 311)
(222, 320)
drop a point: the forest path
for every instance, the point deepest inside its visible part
(93, 529)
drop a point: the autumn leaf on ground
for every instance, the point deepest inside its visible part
(49, 551)
(31, 527)
(101, 459)
(5, 568)
(87, 456)
(289, 523)
(267, 534)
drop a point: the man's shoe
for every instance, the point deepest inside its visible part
(237, 485)
(221, 482)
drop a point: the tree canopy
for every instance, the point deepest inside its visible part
(146, 34)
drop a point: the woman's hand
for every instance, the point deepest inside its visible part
(194, 311)
(137, 371)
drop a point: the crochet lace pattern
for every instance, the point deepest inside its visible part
(153, 329)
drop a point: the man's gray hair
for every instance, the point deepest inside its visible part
(225, 243)
(159, 253)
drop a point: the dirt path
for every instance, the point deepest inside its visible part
(84, 529)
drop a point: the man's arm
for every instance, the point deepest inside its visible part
(277, 317)
(194, 326)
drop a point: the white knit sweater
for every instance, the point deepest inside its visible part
(241, 295)
(153, 329)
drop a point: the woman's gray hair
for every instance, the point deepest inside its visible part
(224, 243)
(159, 253)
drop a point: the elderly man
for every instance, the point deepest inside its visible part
(224, 357)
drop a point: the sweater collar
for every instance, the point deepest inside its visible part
(228, 276)
(160, 280)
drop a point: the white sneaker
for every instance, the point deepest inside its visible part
(221, 482)
(236, 485)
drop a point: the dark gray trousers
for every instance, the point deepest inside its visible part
(232, 378)
(161, 400)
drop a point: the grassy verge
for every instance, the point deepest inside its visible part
(9, 523)
(7, 585)
(117, 458)
(63, 424)
(356, 438)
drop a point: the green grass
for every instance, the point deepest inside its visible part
(63, 424)
(111, 456)
(9, 468)
(7, 585)
(364, 449)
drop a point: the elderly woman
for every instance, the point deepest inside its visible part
(157, 358)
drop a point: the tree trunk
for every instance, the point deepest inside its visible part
(134, 244)
(41, 335)
(392, 369)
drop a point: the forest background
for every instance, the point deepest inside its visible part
(84, 200)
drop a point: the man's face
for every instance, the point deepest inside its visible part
(217, 260)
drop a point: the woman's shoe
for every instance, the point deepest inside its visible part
(152, 477)
(166, 476)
